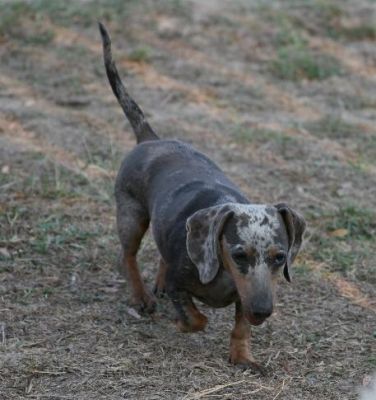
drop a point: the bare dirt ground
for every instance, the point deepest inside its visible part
(282, 94)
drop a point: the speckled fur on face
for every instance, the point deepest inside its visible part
(257, 229)
(257, 233)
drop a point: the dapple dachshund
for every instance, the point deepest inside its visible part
(215, 245)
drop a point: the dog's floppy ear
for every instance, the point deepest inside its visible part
(295, 227)
(204, 229)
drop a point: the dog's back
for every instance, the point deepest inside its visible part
(172, 180)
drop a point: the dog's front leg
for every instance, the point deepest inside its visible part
(239, 344)
(189, 318)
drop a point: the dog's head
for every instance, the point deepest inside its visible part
(253, 242)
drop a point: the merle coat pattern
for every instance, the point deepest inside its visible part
(215, 245)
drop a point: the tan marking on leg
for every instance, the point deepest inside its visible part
(141, 297)
(195, 320)
(160, 282)
(239, 343)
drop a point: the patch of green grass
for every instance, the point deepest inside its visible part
(366, 156)
(5, 178)
(327, 18)
(340, 258)
(372, 360)
(294, 59)
(365, 31)
(357, 33)
(141, 54)
(18, 21)
(49, 180)
(26, 21)
(350, 135)
(360, 222)
(295, 62)
(347, 256)
(69, 11)
(277, 141)
(11, 15)
(320, 17)
(42, 37)
(302, 269)
(74, 52)
(332, 126)
(58, 233)
(259, 135)
(10, 226)
(351, 102)
(62, 229)
(176, 8)
(288, 36)
(350, 253)
(53, 181)
(287, 33)
(280, 141)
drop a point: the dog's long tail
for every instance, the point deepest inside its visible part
(132, 111)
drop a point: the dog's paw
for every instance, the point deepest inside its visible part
(195, 323)
(246, 363)
(144, 303)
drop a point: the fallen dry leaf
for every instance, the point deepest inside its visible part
(4, 252)
(5, 169)
(339, 233)
(131, 311)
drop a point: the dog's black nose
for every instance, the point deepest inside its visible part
(261, 305)
(262, 313)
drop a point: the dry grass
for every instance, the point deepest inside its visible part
(203, 73)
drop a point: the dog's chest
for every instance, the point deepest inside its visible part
(219, 293)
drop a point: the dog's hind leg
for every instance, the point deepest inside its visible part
(160, 282)
(132, 223)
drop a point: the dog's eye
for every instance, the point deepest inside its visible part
(280, 259)
(240, 256)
